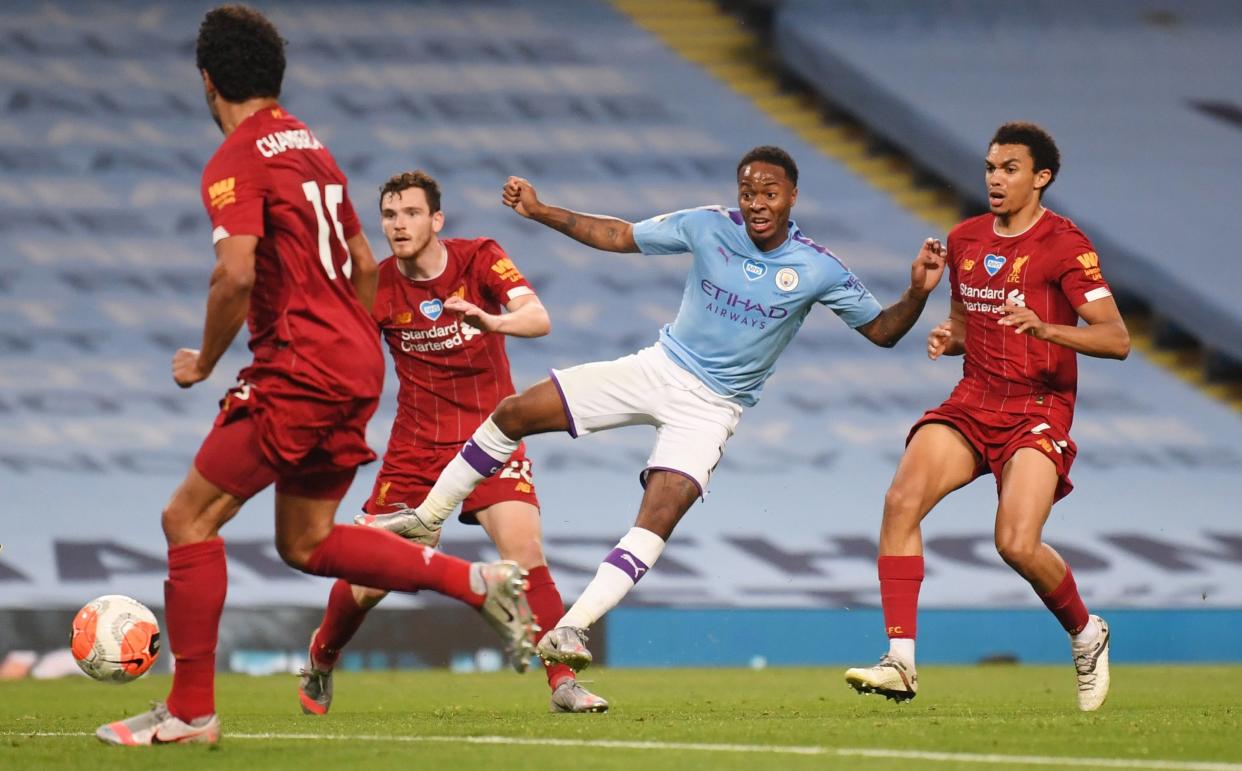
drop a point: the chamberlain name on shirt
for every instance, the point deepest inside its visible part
(294, 139)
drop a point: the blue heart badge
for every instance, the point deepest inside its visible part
(754, 269)
(993, 263)
(431, 309)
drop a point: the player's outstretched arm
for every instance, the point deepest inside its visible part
(607, 233)
(365, 273)
(227, 303)
(896, 320)
(1105, 336)
(526, 317)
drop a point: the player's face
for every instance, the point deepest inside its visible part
(1012, 182)
(409, 224)
(765, 195)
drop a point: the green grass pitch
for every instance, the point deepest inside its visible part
(1007, 717)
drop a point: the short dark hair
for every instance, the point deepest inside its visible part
(773, 155)
(1041, 144)
(242, 52)
(408, 179)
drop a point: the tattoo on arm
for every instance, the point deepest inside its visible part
(894, 321)
(606, 233)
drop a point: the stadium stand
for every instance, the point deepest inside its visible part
(1141, 96)
(106, 253)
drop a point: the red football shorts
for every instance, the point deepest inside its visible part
(405, 480)
(310, 447)
(996, 436)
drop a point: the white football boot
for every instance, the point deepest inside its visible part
(1091, 663)
(158, 726)
(890, 678)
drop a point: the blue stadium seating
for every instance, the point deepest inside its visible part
(1142, 97)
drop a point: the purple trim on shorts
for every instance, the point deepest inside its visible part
(569, 416)
(625, 561)
(642, 477)
(479, 460)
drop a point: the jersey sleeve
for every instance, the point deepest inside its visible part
(850, 300)
(672, 233)
(1080, 276)
(499, 279)
(234, 191)
(955, 289)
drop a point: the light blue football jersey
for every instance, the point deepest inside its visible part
(741, 305)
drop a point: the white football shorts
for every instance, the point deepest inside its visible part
(648, 388)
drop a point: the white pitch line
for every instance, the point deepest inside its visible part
(786, 749)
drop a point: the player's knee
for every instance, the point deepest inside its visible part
(508, 417)
(526, 552)
(1017, 550)
(182, 523)
(296, 552)
(900, 504)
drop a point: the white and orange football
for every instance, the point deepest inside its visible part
(115, 638)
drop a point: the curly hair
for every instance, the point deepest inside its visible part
(1041, 144)
(773, 155)
(408, 179)
(242, 52)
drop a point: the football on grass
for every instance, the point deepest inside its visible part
(115, 638)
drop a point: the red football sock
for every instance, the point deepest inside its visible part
(1067, 605)
(341, 620)
(545, 602)
(900, 580)
(367, 556)
(193, 601)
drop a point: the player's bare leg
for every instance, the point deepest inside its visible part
(537, 410)
(515, 528)
(669, 495)
(1029, 483)
(193, 601)
(937, 461)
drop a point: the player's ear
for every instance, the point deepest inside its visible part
(437, 221)
(793, 197)
(1042, 178)
(208, 86)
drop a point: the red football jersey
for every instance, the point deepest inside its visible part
(1051, 269)
(273, 179)
(452, 375)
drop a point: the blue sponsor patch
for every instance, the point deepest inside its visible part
(754, 269)
(993, 263)
(431, 309)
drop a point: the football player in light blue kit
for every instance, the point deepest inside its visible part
(754, 279)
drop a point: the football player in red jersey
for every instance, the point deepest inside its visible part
(291, 260)
(1021, 277)
(439, 305)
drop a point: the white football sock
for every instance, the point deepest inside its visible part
(635, 554)
(902, 649)
(487, 451)
(1088, 634)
